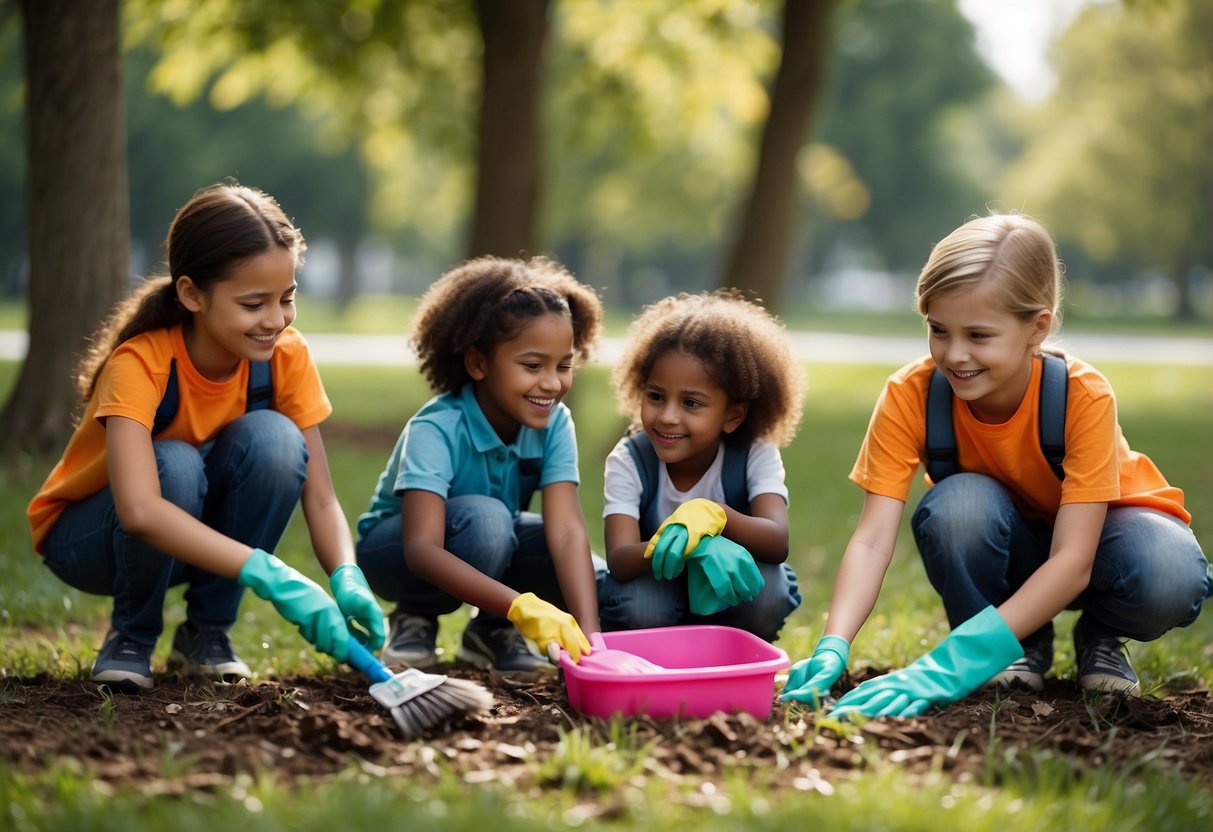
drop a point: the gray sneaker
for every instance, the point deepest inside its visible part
(124, 664)
(207, 652)
(410, 641)
(1028, 671)
(501, 650)
(1103, 665)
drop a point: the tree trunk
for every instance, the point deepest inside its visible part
(78, 206)
(509, 157)
(762, 247)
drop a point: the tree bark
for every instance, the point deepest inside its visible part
(762, 247)
(78, 207)
(509, 172)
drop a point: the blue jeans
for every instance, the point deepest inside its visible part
(480, 531)
(1149, 573)
(245, 484)
(646, 602)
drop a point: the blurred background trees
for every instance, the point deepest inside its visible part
(650, 146)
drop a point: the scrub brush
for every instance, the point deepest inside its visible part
(418, 701)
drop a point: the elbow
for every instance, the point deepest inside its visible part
(135, 517)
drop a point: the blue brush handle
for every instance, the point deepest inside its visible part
(364, 660)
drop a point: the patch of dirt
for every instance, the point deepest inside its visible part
(182, 736)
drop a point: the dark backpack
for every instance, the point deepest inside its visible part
(941, 458)
(260, 393)
(732, 477)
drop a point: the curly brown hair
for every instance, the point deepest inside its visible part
(744, 348)
(486, 301)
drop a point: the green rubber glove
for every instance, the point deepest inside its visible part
(356, 600)
(680, 534)
(811, 679)
(299, 600)
(721, 574)
(971, 655)
(544, 623)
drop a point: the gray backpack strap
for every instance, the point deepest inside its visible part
(733, 477)
(167, 411)
(1054, 381)
(645, 458)
(941, 436)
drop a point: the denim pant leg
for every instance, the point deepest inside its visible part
(765, 615)
(88, 549)
(642, 602)
(255, 471)
(479, 531)
(977, 548)
(1149, 576)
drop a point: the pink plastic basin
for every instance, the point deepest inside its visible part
(708, 668)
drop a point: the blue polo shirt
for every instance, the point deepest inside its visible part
(450, 448)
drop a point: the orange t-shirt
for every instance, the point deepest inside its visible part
(1099, 465)
(132, 384)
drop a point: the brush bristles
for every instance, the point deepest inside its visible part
(429, 709)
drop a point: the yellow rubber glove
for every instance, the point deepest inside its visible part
(700, 517)
(544, 623)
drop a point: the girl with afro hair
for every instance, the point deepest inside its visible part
(448, 523)
(695, 505)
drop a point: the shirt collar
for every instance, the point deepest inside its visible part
(528, 443)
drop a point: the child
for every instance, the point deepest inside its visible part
(1006, 543)
(448, 522)
(167, 479)
(695, 506)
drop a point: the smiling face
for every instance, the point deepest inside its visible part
(985, 351)
(242, 316)
(685, 413)
(524, 378)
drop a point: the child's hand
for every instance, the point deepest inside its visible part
(544, 623)
(970, 656)
(811, 679)
(299, 600)
(721, 574)
(668, 547)
(356, 600)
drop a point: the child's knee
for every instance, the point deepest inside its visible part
(641, 603)
(182, 474)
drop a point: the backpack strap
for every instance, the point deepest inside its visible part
(941, 458)
(260, 394)
(645, 457)
(260, 387)
(167, 410)
(1054, 381)
(732, 479)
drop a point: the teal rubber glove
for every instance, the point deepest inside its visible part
(668, 558)
(299, 600)
(721, 574)
(696, 518)
(971, 655)
(356, 600)
(811, 679)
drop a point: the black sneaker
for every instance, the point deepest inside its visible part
(501, 650)
(207, 652)
(1028, 671)
(124, 664)
(410, 641)
(1103, 665)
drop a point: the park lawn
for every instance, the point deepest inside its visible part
(48, 627)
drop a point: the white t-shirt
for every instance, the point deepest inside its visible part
(622, 489)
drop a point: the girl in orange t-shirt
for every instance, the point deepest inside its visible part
(1006, 543)
(140, 502)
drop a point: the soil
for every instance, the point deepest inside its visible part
(184, 736)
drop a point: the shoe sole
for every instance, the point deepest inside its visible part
(1109, 684)
(123, 681)
(396, 660)
(228, 672)
(1007, 679)
(483, 662)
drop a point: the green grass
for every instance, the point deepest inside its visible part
(46, 626)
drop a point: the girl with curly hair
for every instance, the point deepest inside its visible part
(448, 524)
(695, 508)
